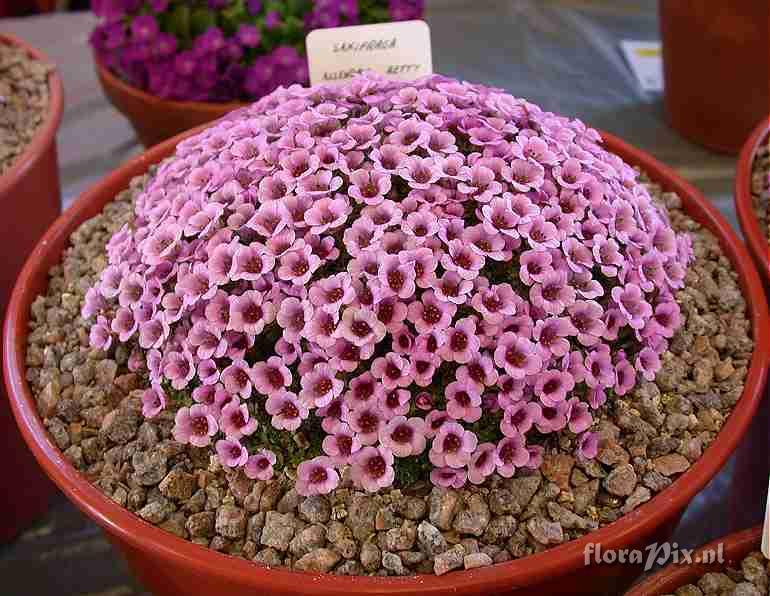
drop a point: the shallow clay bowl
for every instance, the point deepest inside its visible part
(155, 119)
(31, 198)
(168, 565)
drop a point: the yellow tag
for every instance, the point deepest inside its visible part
(399, 50)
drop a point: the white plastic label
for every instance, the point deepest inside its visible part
(400, 50)
(646, 61)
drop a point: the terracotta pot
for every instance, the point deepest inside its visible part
(31, 200)
(748, 489)
(155, 119)
(734, 548)
(168, 565)
(716, 59)
(747, 216)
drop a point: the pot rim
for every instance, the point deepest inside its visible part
(110, 79)
(744, 205)
(676, 575)
(45, 135)
(560, 560)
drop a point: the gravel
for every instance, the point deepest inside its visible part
(750, 578)
(90, 403)
(760, 186)
(24, 96)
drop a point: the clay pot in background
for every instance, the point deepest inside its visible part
(747, 216)
(716, 57)
(31, 200)
(155, 119)
(735, 547)
(748, 489)
(169, 566)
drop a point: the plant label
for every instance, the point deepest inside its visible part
(399, 50)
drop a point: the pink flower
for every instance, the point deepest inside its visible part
(448, 477)
(153, 401)
(404, 437)
(293, 315)
(510, 454)
(194, 425)
(552, 387)
(250, 312)
(392, 370)
(341, 444)
(588, 445)
(553, 418)
(397, 278)
(326, 214)
(462, 342)
(286, 410)
(360, 327)
(271, 377)
(316, 477)
(393, 402)
(179, 368)
(297, 266)
(366, 420)
(550, 335)
(553, 294)
(236, 422)
(636, 310)
(483, 463)
(331, 293)
(518, 418)
(231, 453)
(100, 337)
(372, 469)
(260, 465)
(462, 259)
(369, 186)
(517, 356)
(320, 386)
(430, 313)
(453, 288)
(452, 446)
(463, 401)
(578, 416)
(237, 378)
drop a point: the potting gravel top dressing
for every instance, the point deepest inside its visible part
(24, 96)
(748, 578)
(388, 328)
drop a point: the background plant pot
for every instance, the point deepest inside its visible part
(31, 200)
(736, 547)
(747, 216)
(748, 490)
(155, 119)
(168, 565)
(715, 61)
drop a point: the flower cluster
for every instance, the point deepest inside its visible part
(222, 50)
(434, 272)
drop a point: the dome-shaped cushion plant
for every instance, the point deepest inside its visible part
(392, 281)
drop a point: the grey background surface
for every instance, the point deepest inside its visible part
(561, 54)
